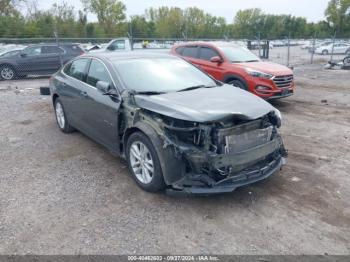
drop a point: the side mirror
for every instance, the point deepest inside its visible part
(103, 86)
(216, 59)
(23, 54)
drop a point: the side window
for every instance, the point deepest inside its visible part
(190, 51)
(51, 50)
(116, 45)
(32, 51)
(77, 69)
(179, 50)
(207, 53)
(97, 72)
(66, 68)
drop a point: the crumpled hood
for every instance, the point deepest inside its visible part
(267, 67)
(206, 104)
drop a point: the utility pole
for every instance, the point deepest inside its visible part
(313, 48)
(335, 35)
(58, 46)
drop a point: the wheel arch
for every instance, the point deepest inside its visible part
(171, 167)
(54, 97)
(231, 77)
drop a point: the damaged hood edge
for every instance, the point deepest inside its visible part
(206, 104)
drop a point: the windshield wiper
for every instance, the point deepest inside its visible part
(194, 87)
(250, 61)
(148, 93)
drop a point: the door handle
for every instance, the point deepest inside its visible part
(83, 93)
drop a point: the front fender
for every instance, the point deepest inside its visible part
(173, 168)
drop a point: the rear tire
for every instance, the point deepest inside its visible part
(7, 72)
(143, 163)
(61, 118)
(238, 83)
(346, 61)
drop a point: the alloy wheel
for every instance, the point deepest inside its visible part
(7, 73)
(141, 162)
(60, 115)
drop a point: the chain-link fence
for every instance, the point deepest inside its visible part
(22, 57)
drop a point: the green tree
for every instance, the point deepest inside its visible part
(110, 14)
(337, 14)
(140, 27)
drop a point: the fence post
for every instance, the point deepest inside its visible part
(259, 43)
(130, 34)
(288, 48)
(335, 35)
(313, 49)
(58, 45)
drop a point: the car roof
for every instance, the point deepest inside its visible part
(127, 55)
(51, 44)
(210, 43)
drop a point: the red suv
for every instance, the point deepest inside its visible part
(238, 66)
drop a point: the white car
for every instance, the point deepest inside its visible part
(118, 44)
(339, 48)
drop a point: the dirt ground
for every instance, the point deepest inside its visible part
(65, 194)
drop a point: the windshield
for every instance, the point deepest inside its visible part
(161, 75)
(239, 54)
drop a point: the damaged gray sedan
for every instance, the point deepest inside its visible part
(177, 128)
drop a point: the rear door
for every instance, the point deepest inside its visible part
(100, 111)
(190, 53)
(216, 70)
(49, 59)
(71, 89)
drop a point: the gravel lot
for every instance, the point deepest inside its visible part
(65, 194)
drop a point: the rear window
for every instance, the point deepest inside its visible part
(74, 49)
(51, 50)
(190, 51)
(77, 68)
(179, 50)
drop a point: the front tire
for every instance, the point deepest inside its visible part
(61, 117)
(238, 83)
(143, 163)
(7, 72)
(325, 52)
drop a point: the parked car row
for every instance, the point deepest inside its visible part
(41, 59)
(326, 47)
(336, 48)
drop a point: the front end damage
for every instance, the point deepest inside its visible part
(216, 156)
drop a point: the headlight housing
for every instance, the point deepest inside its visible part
(259, 74)
(275, 118)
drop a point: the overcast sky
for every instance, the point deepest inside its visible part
(313, 10)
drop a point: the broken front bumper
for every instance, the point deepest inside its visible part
(248, 167)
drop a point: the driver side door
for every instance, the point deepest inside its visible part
(27, 59)
(100, 111)
(216, 70)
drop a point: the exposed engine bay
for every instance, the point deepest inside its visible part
(216, 156)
